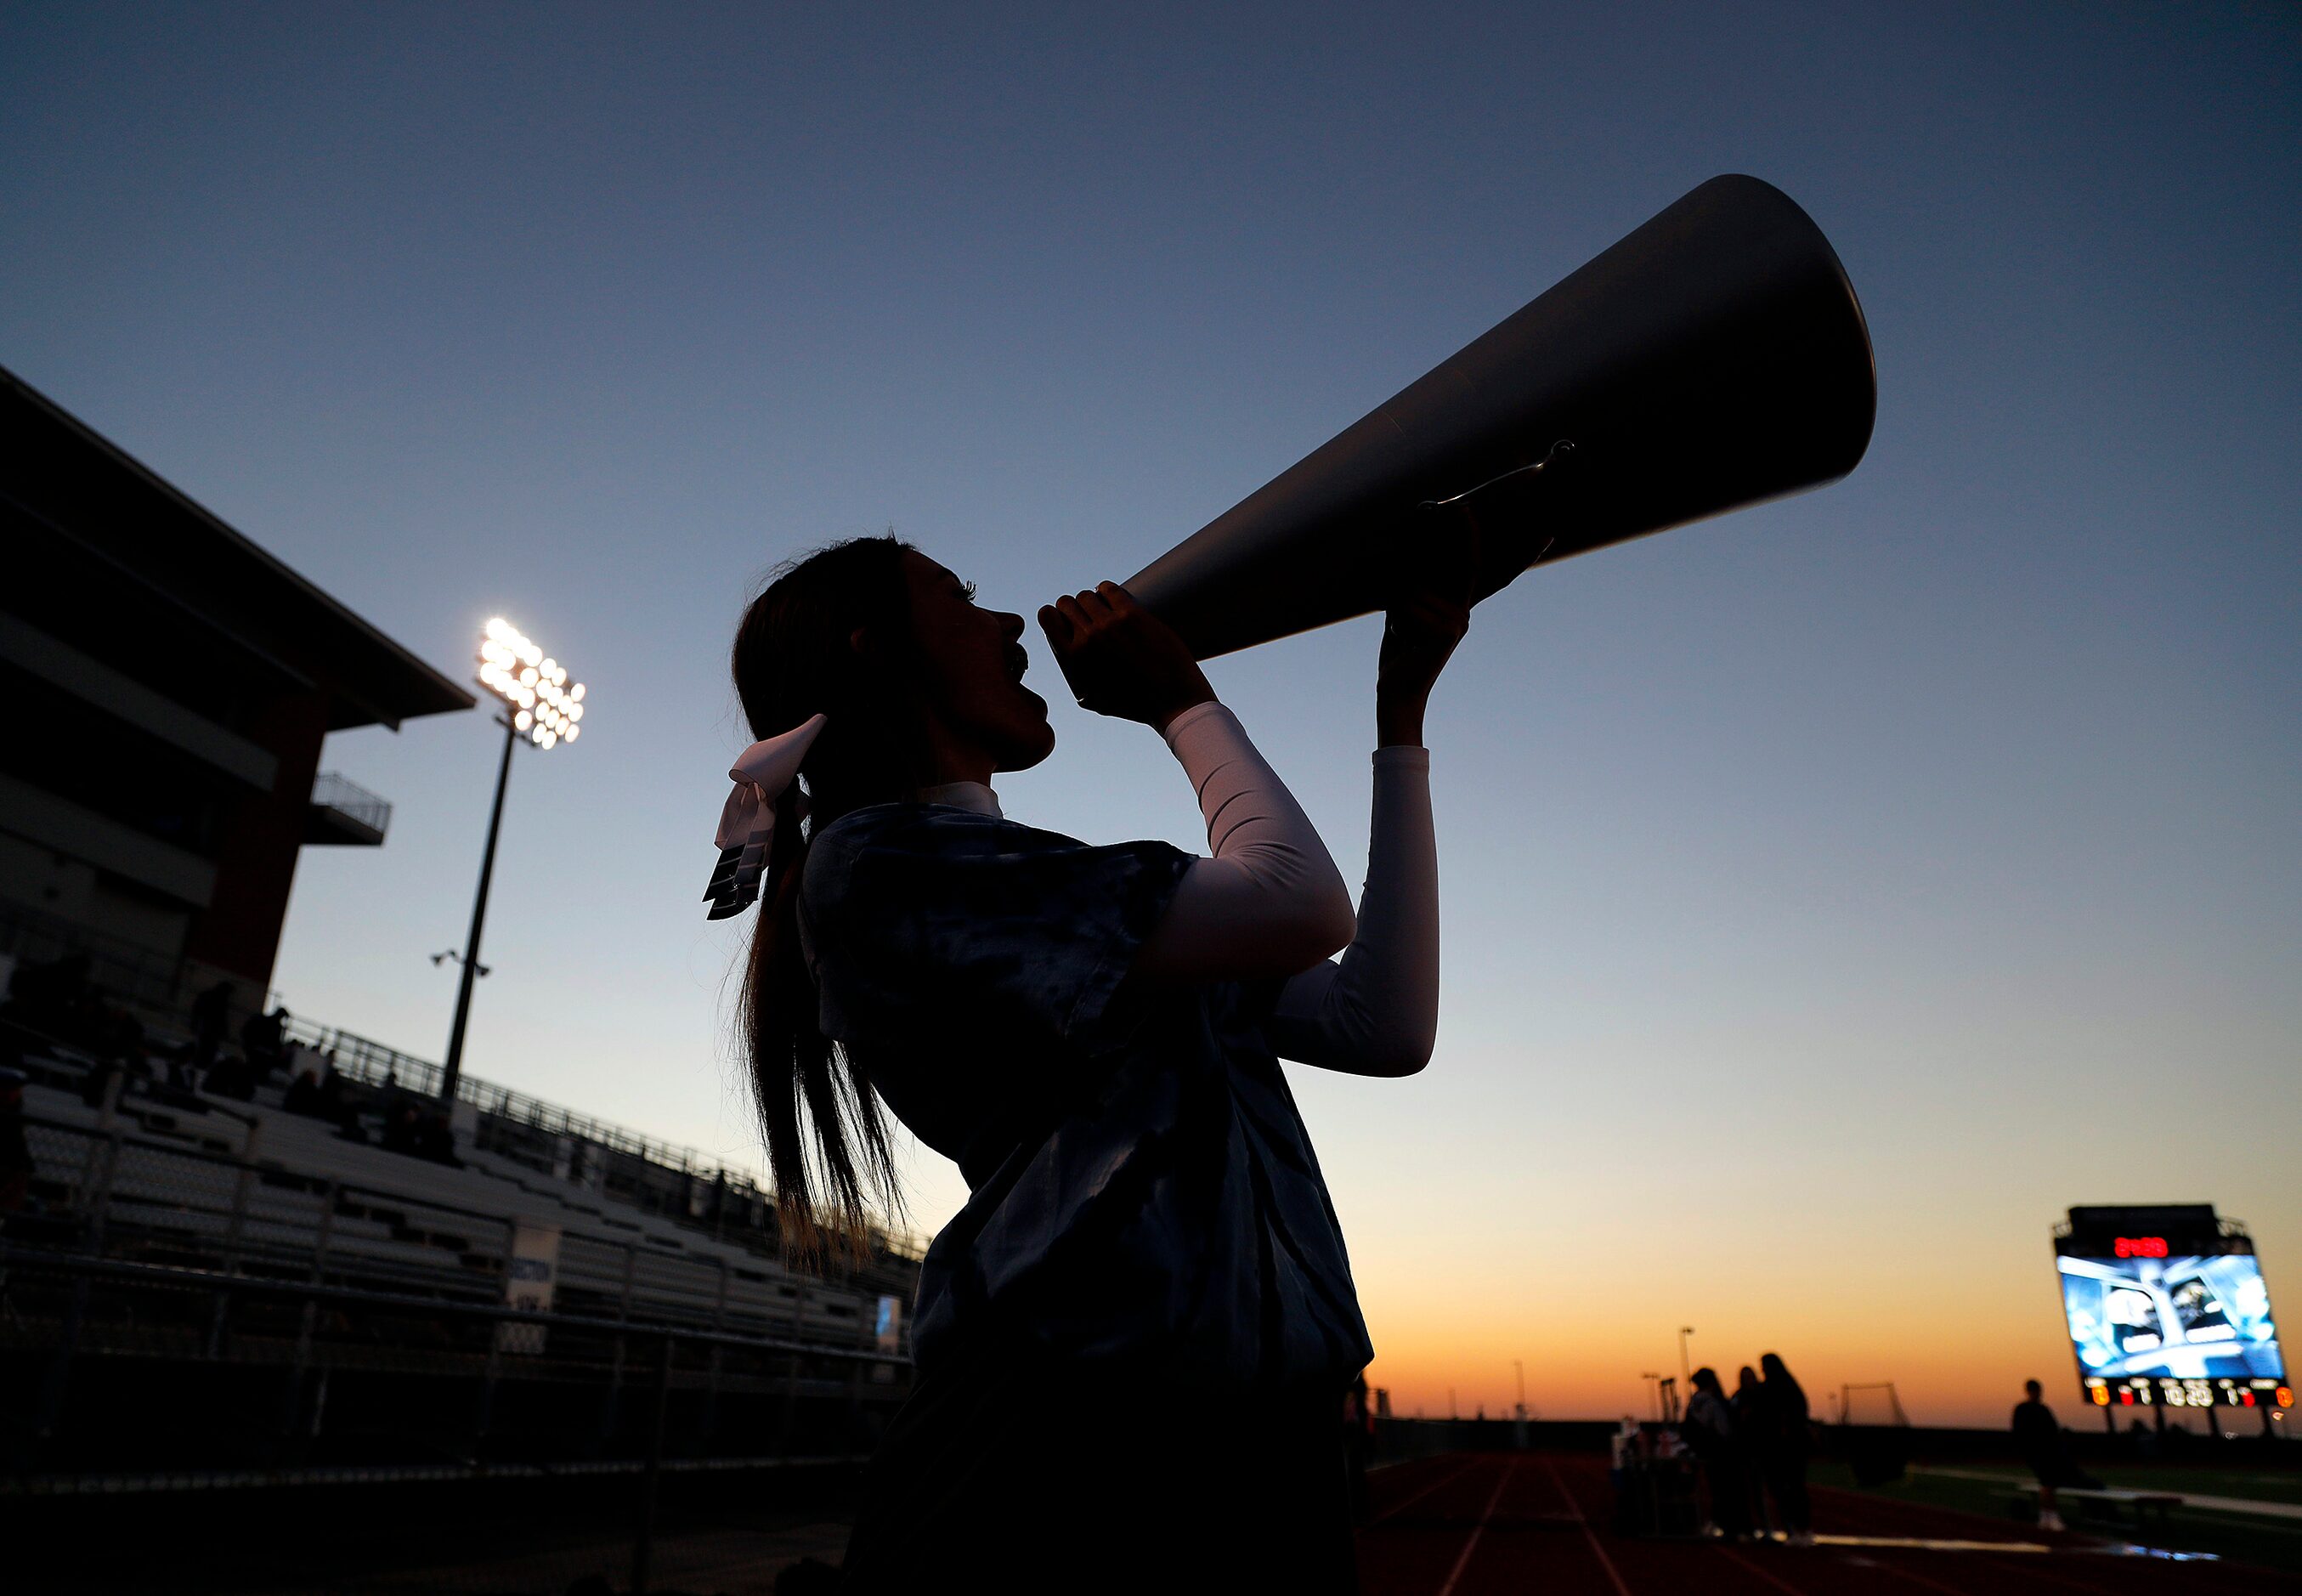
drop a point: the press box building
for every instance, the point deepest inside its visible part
(167, 687)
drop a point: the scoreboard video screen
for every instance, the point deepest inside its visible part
(2173, 1313)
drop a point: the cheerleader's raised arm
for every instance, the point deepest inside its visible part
(1376, 1012)
(1270, 901)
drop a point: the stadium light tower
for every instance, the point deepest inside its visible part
(542, 706)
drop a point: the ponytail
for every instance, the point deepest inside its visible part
(828, 1153)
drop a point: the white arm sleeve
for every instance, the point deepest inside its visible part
(1271, 902)
(1377, 1011)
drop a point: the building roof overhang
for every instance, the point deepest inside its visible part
(84, 489)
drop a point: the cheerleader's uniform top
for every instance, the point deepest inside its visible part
(1071, 1025)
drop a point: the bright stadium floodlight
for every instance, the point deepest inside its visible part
(541, 705)
(533, 686)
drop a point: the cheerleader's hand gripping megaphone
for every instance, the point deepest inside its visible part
(1714, 359)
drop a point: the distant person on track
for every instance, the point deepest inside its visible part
(1748, 1404)
(1783, 1444)
(2047, 1449)
(1710, 1432)
(1624, 1448)
(1358, 1442)
(1132, 1342)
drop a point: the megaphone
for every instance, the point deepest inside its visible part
(1714, 359)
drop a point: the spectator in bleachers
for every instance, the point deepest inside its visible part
(211, 1013)
(261, 1038)
(435, 1140)
(16, 1164)
(399, 1127)
(412, 1127)
(118, 1035)
(328, 1100)
(303, 1089)
(302, 1066)
(230, 1077)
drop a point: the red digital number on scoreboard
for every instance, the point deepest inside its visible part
(2141, 1247)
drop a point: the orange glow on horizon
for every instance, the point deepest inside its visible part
(1590, 1369)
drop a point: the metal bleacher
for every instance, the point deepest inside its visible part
(136, 1171)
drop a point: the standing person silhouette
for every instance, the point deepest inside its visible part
(1358, 1443)
(1132, 1341)
(2040, 1440)
(2047, 1451)
(1748, 1406)
(1719, 1445)
(1784, 1450)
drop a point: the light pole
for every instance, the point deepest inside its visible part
(1520, 1367)
(539, 704)
(1656, 1393)
(1686, 1368)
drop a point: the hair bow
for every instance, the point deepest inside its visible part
(747, 821)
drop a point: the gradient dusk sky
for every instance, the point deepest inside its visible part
(1833, 893)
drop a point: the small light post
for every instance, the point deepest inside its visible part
(1685, 1366)
(541, 705)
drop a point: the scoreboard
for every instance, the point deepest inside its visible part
(2167, 1307)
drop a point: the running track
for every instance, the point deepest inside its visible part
(1480, 1523)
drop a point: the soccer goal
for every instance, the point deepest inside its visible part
(1874, 1403)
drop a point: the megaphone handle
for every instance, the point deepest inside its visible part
(1500, 558)
(1559, 451)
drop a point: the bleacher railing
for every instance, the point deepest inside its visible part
(148, 982)
(375, 1064)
